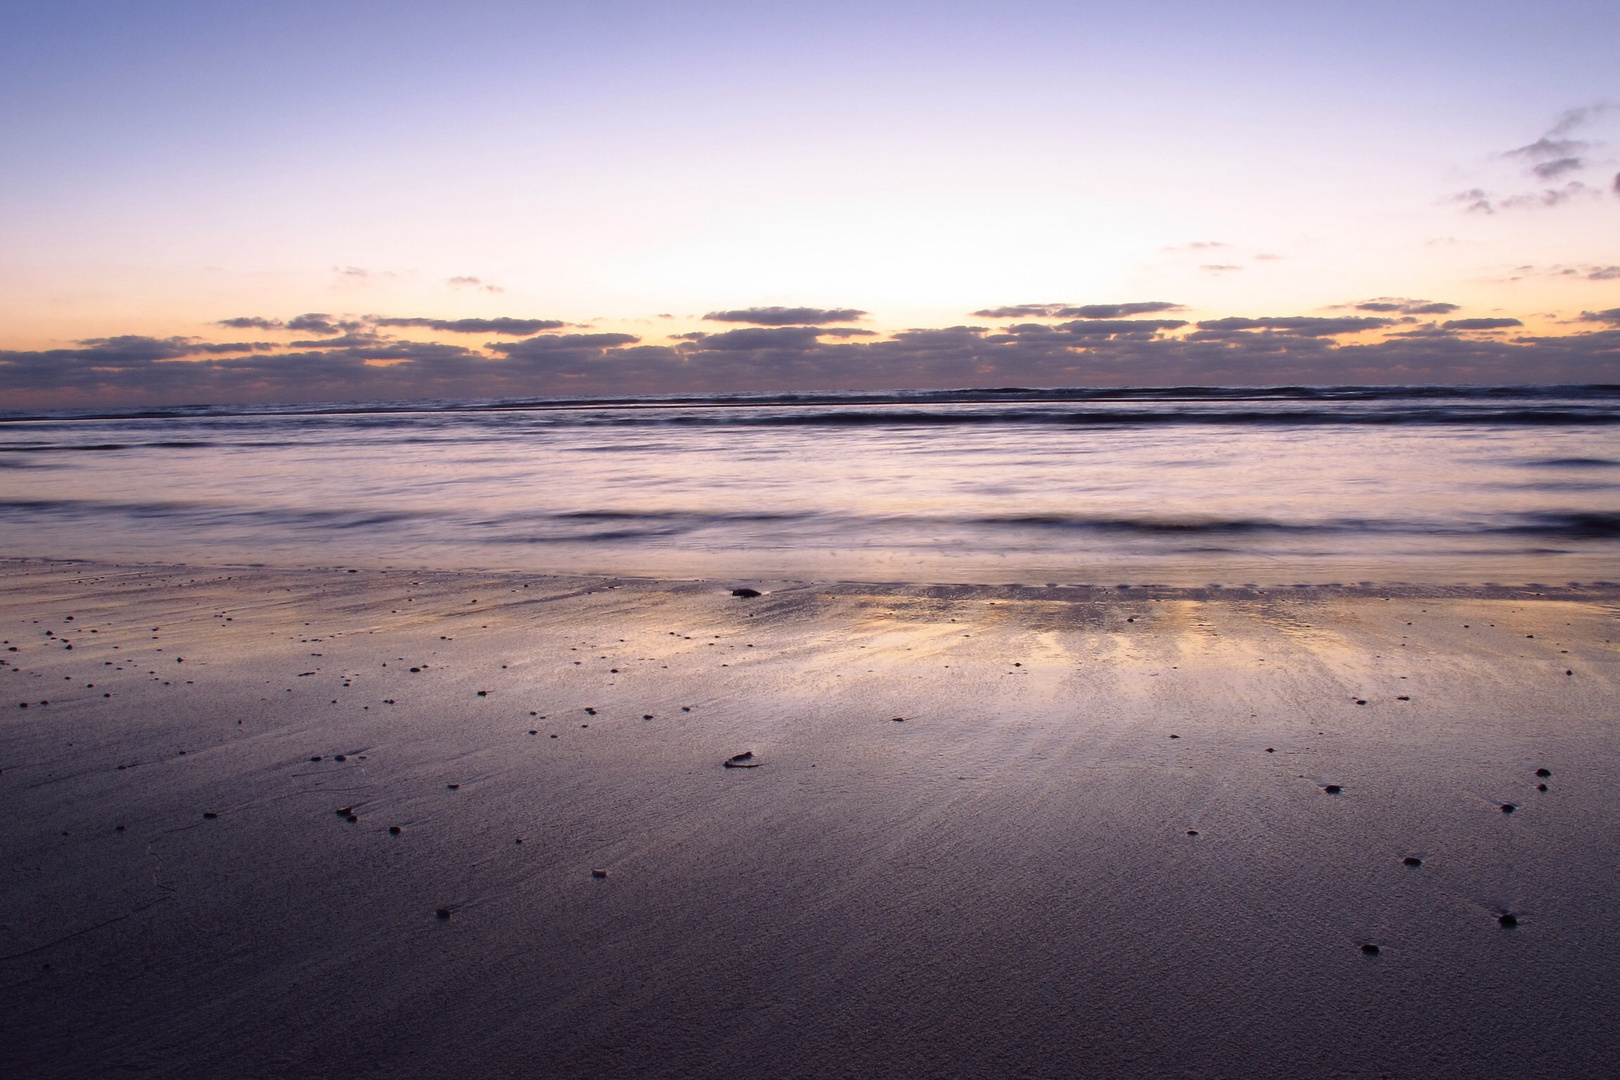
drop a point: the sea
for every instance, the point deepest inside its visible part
(1173, 486)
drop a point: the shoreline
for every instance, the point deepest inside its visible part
(1093, 591)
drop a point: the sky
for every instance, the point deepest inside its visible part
(287, 201)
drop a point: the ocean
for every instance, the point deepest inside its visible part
(1190, 486)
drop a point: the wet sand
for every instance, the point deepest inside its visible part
(991, 832)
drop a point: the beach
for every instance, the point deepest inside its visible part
(983, 830)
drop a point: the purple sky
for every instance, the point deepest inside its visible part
(606, 174)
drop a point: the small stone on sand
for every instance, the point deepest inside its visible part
(451, 787)
(1370, 949)
(1507, 920)
(1412, 860)
(1508, 808)
(746, 594)
(744, 760)
(1543, 773)
(1333, 789)
(1541, 787)
(209, 814)
(394, 830)
(339, 757)
(598, 873)
(1192, 832)
(443, 913)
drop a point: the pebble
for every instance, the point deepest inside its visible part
(598, 873)
(1508, 920)
(451, 787)
(1270, 750)
(317, 757)
(1508, 808)
(746, 594)
(1543, 773)
(339, 757)
(344, 811)
(1192, 832)
(1333, 789)
(744, 760)
(210, 814)
(443, 913)
(1541, 787)
(1412, 860)
(394, 830)
(1370, 949)
(483, 693)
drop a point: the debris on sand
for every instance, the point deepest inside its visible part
(746, 594)
(744, 760)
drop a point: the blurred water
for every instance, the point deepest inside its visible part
(1175, 487)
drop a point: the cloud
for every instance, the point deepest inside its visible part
(1296, 326)
(786, 316)
(1284, 350)
(1219, 268)
(510, 327)
(1551, 157)
(316, 322)
(552, 346)
(1545, 149)
(1479, 324)
(1552, 170)
(251, 322)
(354, 339)
(1479, 201)
(1083, 311)
(1094, 328)
(469, 282)
(1406, 306)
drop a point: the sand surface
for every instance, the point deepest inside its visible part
(1005, 882)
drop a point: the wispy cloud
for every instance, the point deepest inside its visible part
(510, 327)
(467, 281)
(1553, 156)
(1077, 311)
(787, 316)
(1405, 306)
